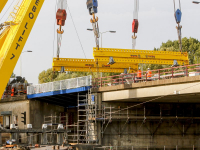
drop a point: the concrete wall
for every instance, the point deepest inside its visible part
(163, 90)
(153, 132)
(17, 107)
(40, 109)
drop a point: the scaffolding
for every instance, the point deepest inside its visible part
(52, 123)
(141, 115)
(85, 130)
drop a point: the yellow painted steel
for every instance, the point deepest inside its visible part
(14, 36)
(89, 65)
(140, 56)
(2, 4)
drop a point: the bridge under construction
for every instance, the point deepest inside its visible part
(116, 112)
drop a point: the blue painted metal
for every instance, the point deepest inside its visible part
(92, 6)
(93, 99)
(178, 15)
(68, 91)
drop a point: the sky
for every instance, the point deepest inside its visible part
(156, 25)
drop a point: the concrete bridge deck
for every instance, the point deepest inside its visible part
(184, 89)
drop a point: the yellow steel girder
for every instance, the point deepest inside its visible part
(140, 56)
(89, 65)
(14, 36)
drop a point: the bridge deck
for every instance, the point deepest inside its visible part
(64, 98)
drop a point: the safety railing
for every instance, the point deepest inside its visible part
(60, 85)
(160, 74)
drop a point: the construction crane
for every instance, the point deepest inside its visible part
(14, 34)
(3, 3)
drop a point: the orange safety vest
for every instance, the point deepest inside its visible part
(149, 74)
(139, 73)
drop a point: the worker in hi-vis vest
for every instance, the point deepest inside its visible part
(139, 74)
(149, 74)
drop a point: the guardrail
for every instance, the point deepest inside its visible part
(160, 74)
(60, 85)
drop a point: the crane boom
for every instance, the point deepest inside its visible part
(14, 36)
(3, 3)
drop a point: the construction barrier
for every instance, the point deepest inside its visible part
(60, 85)
(160, 74)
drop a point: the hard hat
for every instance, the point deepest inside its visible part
(139, 68)
(148, 69)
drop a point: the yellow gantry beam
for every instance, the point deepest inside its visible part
(2, 4)
(14, 36)
(89, 65)
(140, 56)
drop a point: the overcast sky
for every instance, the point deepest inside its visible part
(156, 25)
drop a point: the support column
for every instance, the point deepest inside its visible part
(30, 139)
(60, 138)
(44, 137)
(17, 137)
(0, 139)
(54, 136)
(14, 135)
(99, 105)
(35, 139)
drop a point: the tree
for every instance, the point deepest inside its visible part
(47, 76)
(189, 45)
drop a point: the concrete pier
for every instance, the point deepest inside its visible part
(44, 138)
(0, 139)
(59, 138)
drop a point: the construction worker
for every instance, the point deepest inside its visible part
(139, 74)
(149, 74)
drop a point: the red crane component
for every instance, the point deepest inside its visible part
(135, 26)
(61, 16)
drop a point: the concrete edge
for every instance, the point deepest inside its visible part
(148, 84)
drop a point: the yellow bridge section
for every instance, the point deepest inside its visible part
(140, 56)
(90, 65)
(124, 59)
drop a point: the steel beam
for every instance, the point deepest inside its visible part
(90, 65)
(140, 56)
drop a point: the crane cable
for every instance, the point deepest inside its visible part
(77, 34)
(54, 29)
(76, 31)
(178, 14)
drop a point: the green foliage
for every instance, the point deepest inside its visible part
(47, 76)
(189, 45)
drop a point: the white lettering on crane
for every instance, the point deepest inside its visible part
(31, 16)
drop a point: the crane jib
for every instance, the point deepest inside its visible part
(31, 16)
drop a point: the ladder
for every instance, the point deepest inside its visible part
(86, 124)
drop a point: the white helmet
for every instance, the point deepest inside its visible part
(139, 68)
(148, 69)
